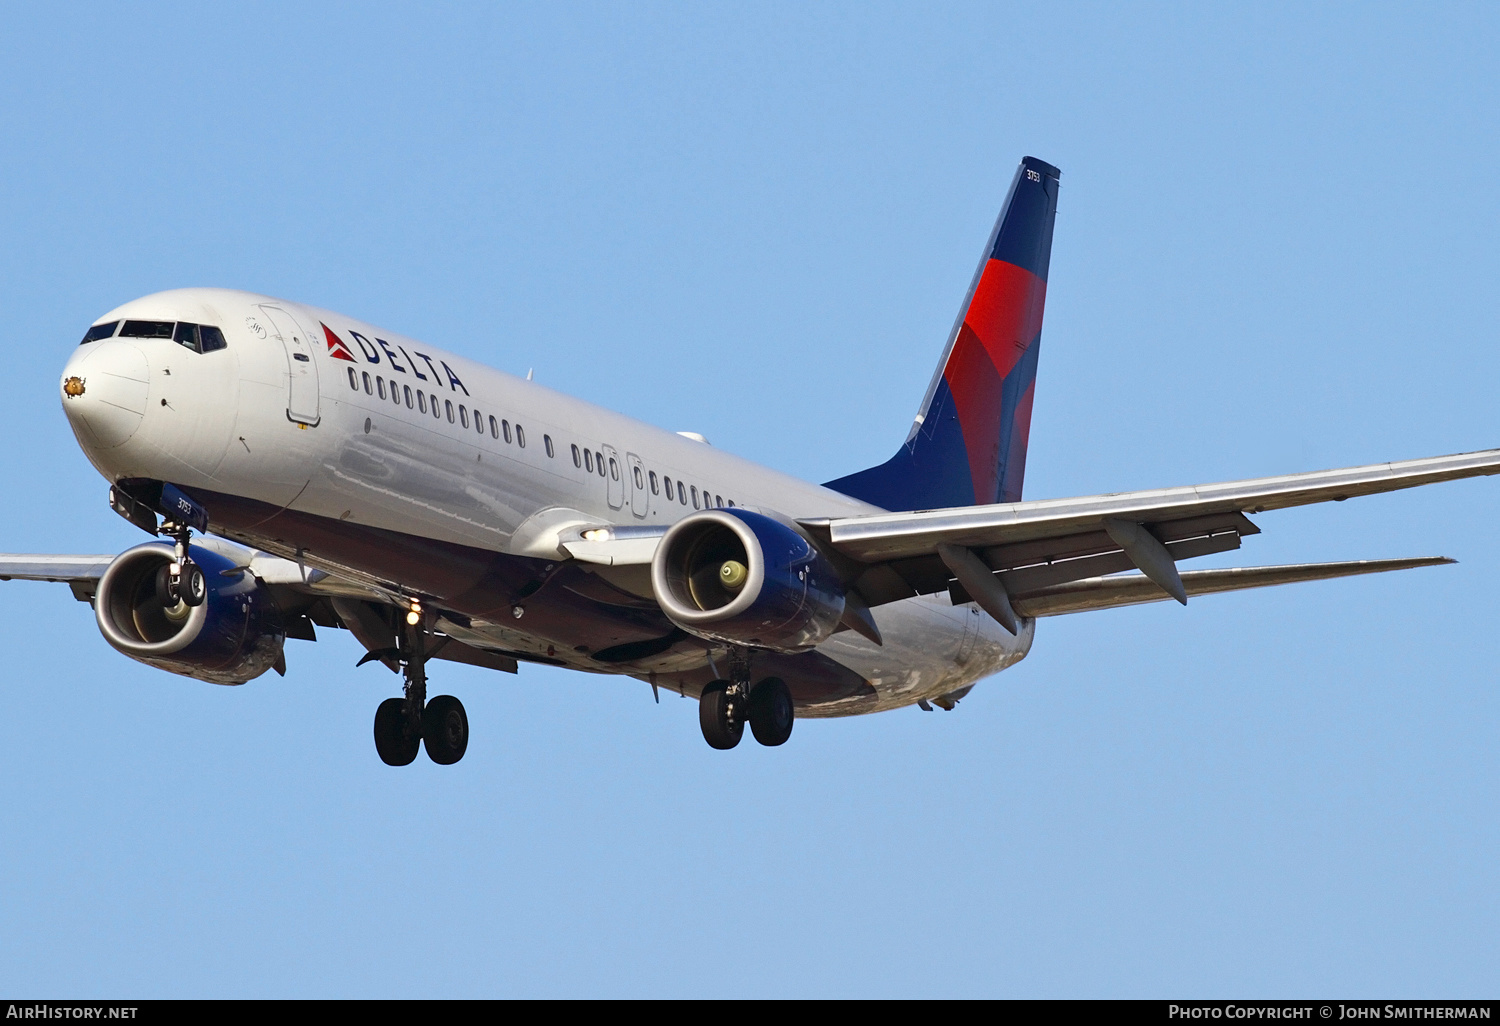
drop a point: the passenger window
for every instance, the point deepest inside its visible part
(599, 462)
(520, 436)
(186, 336)
(99, 331)
(719, 501)
(146, 329)
(369, 388)
(353, 379)
(494, 427)
(212, 338)
(694, 490)
(437, 410)
(614, 469)
(380, 386)
(421, 401)
(407, 390)
(463, 414)
(547, 441)
(639, 481)
(577, 457)
(681, 495)
(730, 504)
(505, 427)
(478, 423)
(449, 403)
(588, 461)
(654, 489)
(395, 393)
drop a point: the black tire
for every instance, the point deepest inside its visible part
(772, 712)
(445, 730)
(191, 585)
(720, 716)
(394, 743)
(166, 594)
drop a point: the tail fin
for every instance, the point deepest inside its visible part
(968, 445)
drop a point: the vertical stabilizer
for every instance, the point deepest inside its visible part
(968, 444)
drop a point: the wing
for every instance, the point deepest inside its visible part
(305, 596)
(1028, 547)
(1134, 589)
(81, 573)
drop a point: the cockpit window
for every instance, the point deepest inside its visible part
(200, 338)
(99, 331)
(146, 329)
(186, 336)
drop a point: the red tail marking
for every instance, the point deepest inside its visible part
(1006, 312)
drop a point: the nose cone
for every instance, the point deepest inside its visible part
(104, 390)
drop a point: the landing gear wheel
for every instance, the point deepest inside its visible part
(166, 591)
(721, 715)
(191, 586)
(445, 730)
(771, 712)
(396, 745)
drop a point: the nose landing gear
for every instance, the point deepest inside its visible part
(180, 582)
(404, 725)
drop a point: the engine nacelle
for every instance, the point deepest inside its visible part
(235, 635)
(741, 577)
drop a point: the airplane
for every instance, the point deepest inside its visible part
(300, 469)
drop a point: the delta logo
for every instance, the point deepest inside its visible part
(336, 347)
(339, 350)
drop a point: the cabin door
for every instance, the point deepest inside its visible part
(302, 395)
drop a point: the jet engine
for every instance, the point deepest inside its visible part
(741, 577)
(235, 634)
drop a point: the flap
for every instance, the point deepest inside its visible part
(1134, 589)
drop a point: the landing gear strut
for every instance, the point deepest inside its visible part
(727, 705)
(182, 579)
(403, 725)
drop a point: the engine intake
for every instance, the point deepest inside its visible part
(233, 636)
(741, 577)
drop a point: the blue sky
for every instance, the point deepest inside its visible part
(1276, 251)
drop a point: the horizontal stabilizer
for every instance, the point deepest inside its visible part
(1134, 589)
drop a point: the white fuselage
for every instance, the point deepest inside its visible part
(279, 418)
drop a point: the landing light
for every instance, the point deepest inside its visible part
(598, 534)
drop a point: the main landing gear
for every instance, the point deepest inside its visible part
(727, 705)
(403, 725)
